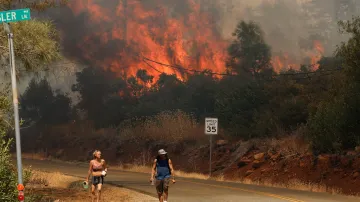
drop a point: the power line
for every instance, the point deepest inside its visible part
(182, 68)
(152, 67)
(224, 74)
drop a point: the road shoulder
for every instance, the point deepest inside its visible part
(55, 186)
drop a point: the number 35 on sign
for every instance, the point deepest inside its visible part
(211, 126)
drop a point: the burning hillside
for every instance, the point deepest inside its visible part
(115, 34)
(162, 31)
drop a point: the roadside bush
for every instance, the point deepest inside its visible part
(8, 172)
(334, 127)
(8, 178)
(8, 175)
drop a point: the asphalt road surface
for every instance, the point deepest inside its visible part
(191, 190)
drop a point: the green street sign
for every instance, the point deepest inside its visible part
(15, 15)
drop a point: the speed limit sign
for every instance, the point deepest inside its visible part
(211, 126)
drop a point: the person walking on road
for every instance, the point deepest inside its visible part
(98, 170)
(164, 170)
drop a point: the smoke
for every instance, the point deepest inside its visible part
(103, 32)
(294, 29)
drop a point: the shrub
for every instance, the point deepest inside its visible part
(8, 178)
(171, 126)
(334, 127)
(8, 173)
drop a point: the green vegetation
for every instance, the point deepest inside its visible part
(36, 46)
(335, 125)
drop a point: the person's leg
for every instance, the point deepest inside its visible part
(159, 189)
(93, 192)
(95, 182)
(166, 188)
(101, 182)
(160, 197)
(99, 192)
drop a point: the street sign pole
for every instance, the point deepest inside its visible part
(211, 129)
(6, 17)
(210, 155)
(15, 100)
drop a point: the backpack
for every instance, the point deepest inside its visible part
(167, 162)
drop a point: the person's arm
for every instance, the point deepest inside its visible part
(105, 165)
(153, 170)
(89, 172)
(172, 170)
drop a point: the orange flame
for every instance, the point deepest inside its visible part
(189, 40)
(284, 62)
(318, 53)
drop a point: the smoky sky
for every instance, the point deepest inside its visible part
(290, 26)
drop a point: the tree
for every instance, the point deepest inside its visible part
(36, 42)
(237, 100)
(201, 89)
(144, 76)
(168, 93)
(95, 87)
(5, 113)
(335, 125)
(41, 105)
(249, 53)
(35, 46)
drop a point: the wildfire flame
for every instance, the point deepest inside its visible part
(155, 31)
(285, 62)
(189, 41)
(317, 54)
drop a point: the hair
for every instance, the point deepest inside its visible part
(96, 151)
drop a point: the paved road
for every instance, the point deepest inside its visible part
(190, 190)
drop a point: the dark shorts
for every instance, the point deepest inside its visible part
(162, 185)
(97, 180)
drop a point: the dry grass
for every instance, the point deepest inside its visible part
(62, 188)
(147, 169)
(287, 145)
(37, 156)
(294, 184)
(171, 127)
(55, 180)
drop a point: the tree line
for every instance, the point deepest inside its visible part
(251, 101)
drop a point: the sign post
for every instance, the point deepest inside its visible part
(211, 128)
(6, 17)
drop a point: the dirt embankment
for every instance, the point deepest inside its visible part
(283, 163)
